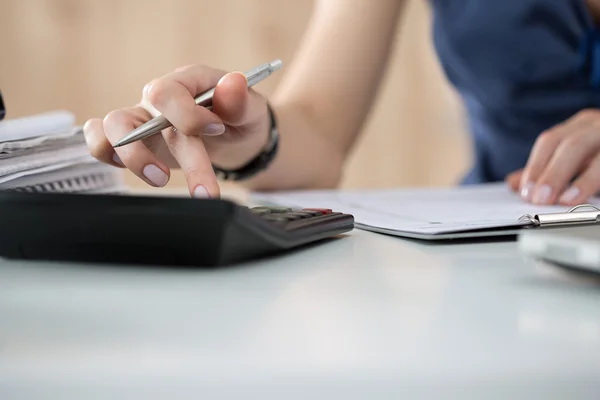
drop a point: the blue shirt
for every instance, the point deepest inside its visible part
(521, 67)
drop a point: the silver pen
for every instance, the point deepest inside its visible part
(157, 124)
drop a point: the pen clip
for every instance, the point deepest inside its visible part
(572, 216)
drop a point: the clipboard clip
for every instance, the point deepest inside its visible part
(573, 216)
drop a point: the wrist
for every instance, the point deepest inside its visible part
(258, 152)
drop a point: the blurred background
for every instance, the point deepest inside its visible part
(92, 56)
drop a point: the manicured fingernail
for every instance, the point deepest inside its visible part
(214, 129)
(117, 159)
(542, 195)
(155, 175)
(200, 192)
(527, 191)
(570, 195)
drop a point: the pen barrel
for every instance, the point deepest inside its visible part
(152, 127)
(205, 99)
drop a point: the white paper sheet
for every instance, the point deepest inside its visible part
(62, 156)
(423, 211)
(17, 148)
(38, 125)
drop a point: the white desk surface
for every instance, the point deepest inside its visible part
(363, 316)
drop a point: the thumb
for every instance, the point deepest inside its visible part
(235, 104)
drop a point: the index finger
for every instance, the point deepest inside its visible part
(191, 155)
(173, 96)
(540, 155)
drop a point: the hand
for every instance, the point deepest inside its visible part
(564, 164)
(232, 133)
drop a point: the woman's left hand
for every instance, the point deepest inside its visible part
(564, 164)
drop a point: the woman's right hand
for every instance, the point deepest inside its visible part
(229, 135)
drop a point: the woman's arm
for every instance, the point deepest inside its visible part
(327, 91)
(321, 105)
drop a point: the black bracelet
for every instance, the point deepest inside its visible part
(258, 163)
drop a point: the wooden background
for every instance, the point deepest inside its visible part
(91, 56)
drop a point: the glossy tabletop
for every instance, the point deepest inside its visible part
(362, 316)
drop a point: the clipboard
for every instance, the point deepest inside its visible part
(432, 214)
(573, 217)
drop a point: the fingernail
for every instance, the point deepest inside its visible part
(570, 195)
(232, 73)
(542, 195)
(117, 159)
(527, 191)
(241, 74)
(200, 192)
(214, 129)
(155, 175)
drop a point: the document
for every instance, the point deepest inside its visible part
(12, 149)
(48, 153)
(427, 213)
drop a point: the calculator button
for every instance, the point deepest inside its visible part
(321, 210)
(262, 211)
(272, 210)
(311, 213)
(278, 218)
(282, 217)
(298, 215)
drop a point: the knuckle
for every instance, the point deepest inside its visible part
(547, 138)
(197, 174)
(191, 124)
(191, 128)
(193, 173)
(147, 87)
(574, 141)
(157, 93)
(171, 137)
(588, 114)
(185, 68)
(115, 118)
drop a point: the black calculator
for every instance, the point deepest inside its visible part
(150, 230)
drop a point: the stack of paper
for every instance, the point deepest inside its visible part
(47, 152)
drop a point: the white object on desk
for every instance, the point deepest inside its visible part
(44, 124)
(14, 168)
(424, 213)
(46, 152)
(365, 316)
(577, 248)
